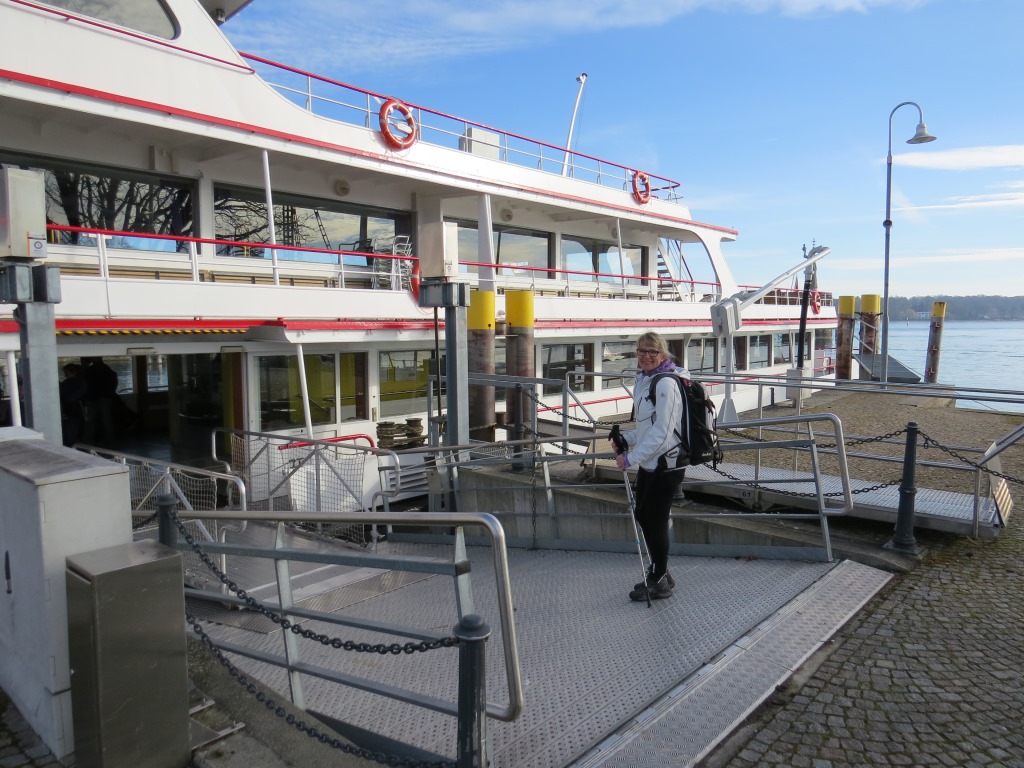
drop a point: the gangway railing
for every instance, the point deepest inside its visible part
(288, 615)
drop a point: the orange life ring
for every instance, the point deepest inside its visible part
(641, 187)
(414, 281)
(816, 302)
(394, 138)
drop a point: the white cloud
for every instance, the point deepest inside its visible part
(357, 36)
(965, 159)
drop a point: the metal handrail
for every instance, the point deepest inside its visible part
(493, 528)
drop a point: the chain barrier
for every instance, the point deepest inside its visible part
(285, 623)
(929, 442)
(926, 442)
(800, 494)
(301, 725)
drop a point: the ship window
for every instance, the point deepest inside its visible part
(739, 348)
(824, 351)
(403, 381)
(782, 349)
(700, 356)
(759, 348)
(281, 391)
(583, 256)
(97, 198)
(148, 16)
(240, 216)
(618, 357)
(560, 359)
(517, 251)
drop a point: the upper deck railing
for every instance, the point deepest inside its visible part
(346, 103)
(135, 255)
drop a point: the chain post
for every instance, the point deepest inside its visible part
(903, 537)
(472, 632)
(168, 532)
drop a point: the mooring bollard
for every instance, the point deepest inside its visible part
(167, 530)
(473, 632)
(903, 537)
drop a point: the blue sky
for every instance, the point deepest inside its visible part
(773, 114)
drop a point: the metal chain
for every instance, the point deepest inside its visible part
(299, 724)
(928, 442)
(757, 486)
(285, 623)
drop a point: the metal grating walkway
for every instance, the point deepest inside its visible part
(936, 510)
(603, 676)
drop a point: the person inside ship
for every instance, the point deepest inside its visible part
(101, 391)
(649, 447)
(73, 390)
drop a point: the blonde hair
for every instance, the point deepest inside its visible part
(653, 340)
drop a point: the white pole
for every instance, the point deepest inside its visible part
(13, 389)
(270, 215)
(306, 413)
(582, 79)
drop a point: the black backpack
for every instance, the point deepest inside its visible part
(697, 433)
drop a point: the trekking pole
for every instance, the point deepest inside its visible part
(620, 446)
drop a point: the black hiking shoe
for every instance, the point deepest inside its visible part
(657, 591)
(649, 581)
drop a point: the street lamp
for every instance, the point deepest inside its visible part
(920, 137)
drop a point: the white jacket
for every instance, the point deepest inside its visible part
(656, 424)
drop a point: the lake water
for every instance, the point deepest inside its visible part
(973, 354)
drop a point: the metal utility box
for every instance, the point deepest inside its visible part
(126, 641)
(54, 503)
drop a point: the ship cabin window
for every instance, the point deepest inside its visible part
(315, 229)
(759, 349)
(739, 351)
(517, 251)
(147, 16)
(404, 375)
(700, 356)
(782, 349)
(332, 398)
(560, 359)
(92, 197)
(618, 357)
(824, 351)
(582, 257)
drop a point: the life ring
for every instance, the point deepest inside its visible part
(394, 138)
(414, 281)
(641, 187)
(816, 302)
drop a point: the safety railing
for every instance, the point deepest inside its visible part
(340, 101)
(194, 489)
(295, 620)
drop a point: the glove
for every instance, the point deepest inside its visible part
(618, 440)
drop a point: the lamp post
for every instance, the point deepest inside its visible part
(920, 137)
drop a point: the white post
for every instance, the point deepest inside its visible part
(14, 389)
(270, 215)
(582, 79)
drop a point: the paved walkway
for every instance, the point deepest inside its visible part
(19, 745)
(931, 673)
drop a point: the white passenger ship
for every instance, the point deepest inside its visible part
(163, 149)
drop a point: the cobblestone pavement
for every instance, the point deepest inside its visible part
(930, 673)
(19, 745)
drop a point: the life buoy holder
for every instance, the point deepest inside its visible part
(641, 187)
(393, 136)
(816, 302)
(414, 281)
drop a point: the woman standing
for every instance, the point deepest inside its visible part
(652, 448)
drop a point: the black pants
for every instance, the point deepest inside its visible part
(654, 493)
